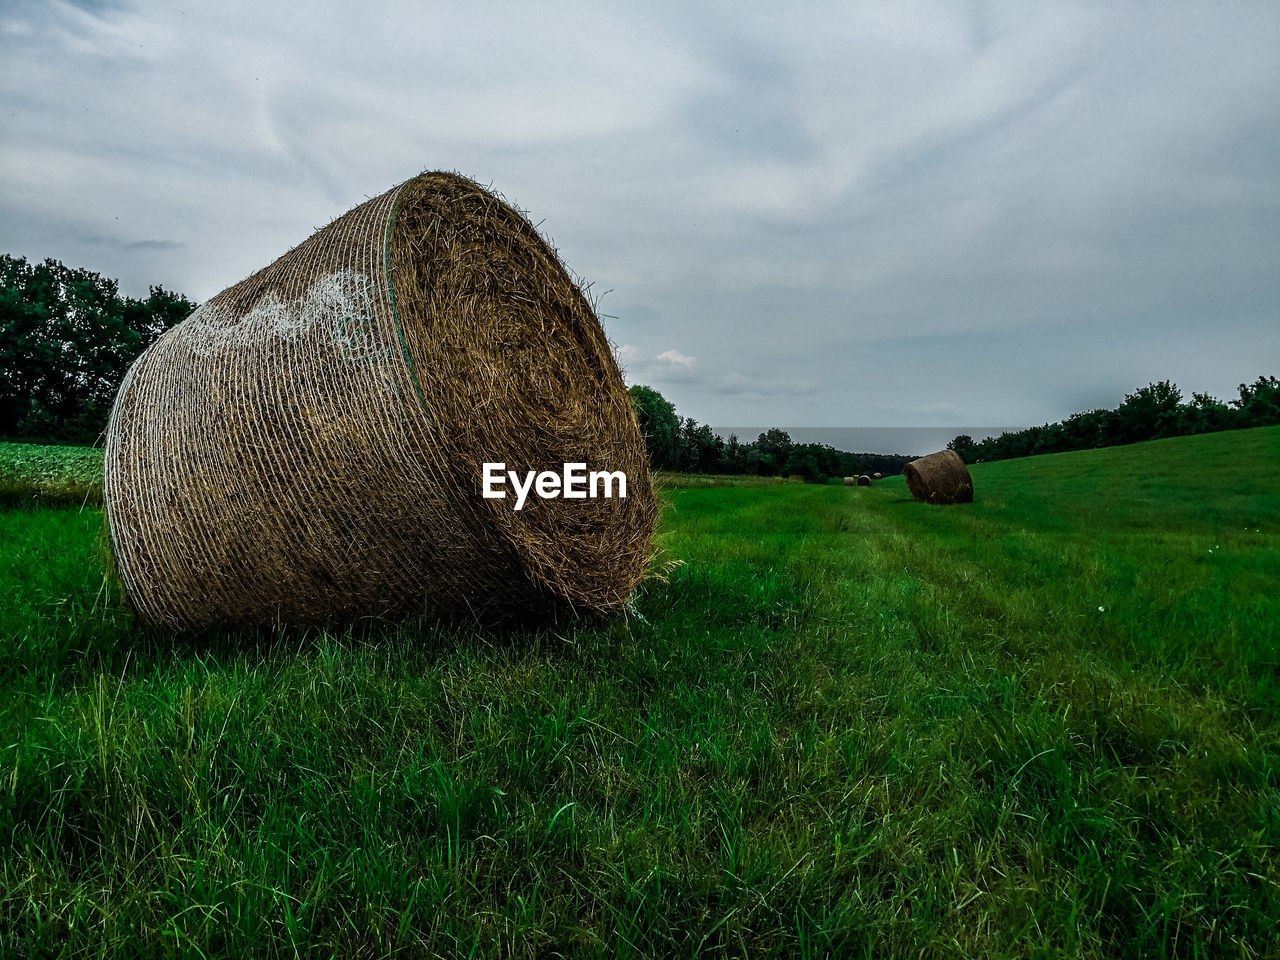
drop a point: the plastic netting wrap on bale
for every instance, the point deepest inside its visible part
(939, 478)
(309, 444)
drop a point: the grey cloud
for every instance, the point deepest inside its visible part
(671, 368)
(133, 244)
(1026, 208)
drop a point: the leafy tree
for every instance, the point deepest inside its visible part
(67, 337)
(760, 464)
(660, 426)
(687, 460)
(1259, 403)
(1204, 414)
(708, 449)
(775, 444)
(804, 463)
(1147, 414)
(735, 455)
(819, 462)
(1084, 431)
(964, 446)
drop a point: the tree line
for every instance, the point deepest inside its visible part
(67, 338)
(685, 445)
(1152, 412)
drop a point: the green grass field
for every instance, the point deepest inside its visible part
(1046, 724)
(34, 474)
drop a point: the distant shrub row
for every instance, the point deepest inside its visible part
(687, 446)
(1153, 412)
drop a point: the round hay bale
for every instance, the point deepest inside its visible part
(864, 481)
(850, 481)
(308, 446)
(939, 478)
(877, 476)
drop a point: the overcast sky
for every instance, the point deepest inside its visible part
(804, 215)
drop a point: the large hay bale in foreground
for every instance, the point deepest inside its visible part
(939, 478)
(308, 445)
(864, 481)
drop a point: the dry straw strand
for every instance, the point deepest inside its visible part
(308, 445)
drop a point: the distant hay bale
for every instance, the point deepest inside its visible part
(850, 481)
(308, 445)
(939, 478)
(877, 476)
(864, 481)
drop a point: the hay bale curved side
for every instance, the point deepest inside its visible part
(939, 478)
(308, 445)
(850, 481)
(864, 481)
(877, 476)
